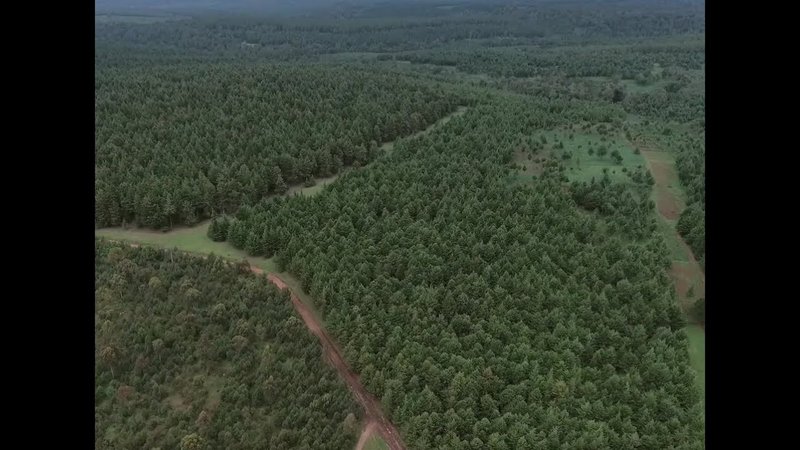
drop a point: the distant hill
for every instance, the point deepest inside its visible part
(159, 7)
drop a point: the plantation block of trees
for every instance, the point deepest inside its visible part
(195, 353)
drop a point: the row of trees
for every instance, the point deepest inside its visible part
(196, 353)
(691, 164)
(178, 143)
(488, 314)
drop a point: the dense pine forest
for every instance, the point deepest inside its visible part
(178, 143)
(499, 281)
(194, 353)
(494, 311)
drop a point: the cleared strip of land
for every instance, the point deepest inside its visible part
(685, 272)
(195, 240)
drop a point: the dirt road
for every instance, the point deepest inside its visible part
(375, 419)
(371, 406)
(684, 274)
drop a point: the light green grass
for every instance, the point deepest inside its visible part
(584, 167)
(697, 354)
(188, 239)
(376, 443)
(194, 240)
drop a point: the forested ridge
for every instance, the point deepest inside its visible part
(179, 143)
(487, 314)
(196, 353)
(388, 30)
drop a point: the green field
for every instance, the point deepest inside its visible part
(697, 354)
(193, 240)
(582, 166)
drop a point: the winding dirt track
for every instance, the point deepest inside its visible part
(375, 419)
(332, 352)
(374, 414)
(685, 274)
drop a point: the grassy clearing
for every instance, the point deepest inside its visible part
(195, 240)
(188, 239)
(582, 166)
(697, 354)
(376, 443)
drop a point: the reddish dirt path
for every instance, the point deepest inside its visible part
(374, 414)
(684, 274)
(332, 352)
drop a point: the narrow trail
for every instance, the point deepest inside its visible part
(331, 350)
(375, 419)
(684, 274)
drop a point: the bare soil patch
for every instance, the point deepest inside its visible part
(333, 354)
